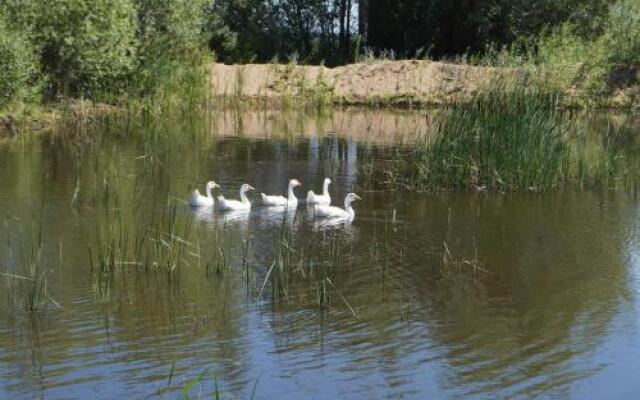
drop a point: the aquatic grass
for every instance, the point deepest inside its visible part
(128, 238)
(607, 160)
(305, 273)
(502, 141)
(507, 138)
(159, 245)
(24, 280)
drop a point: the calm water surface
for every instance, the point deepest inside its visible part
(541, 299)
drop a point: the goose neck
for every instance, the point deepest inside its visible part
(347, 205)
(243, 196)
(290, 194)
(349, 209)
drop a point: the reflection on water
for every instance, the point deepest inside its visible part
(441, 295)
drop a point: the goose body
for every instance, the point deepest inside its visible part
(198, 200)
(324, 198)
(291, 201)
(324, 211)
(236, 205)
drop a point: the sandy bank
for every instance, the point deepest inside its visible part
(394, 83)
(383, 82)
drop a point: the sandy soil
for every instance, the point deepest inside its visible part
(387, 82)
(410, 82)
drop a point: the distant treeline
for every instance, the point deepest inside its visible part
(336, 31)
(98, 48)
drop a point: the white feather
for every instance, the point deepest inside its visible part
(291, 201)
(323, 211)
(235, 205)
(323, 198)
(198, 200)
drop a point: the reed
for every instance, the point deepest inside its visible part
(130, 239)
(305, 273)
(507, 138)
(24, 281)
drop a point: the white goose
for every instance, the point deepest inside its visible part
(198, 200)
(322, 211)
(323, 198)
(235, 205)
(291, 201)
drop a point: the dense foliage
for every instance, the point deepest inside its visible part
(86, 45)
(18, 65)
(106, 48)
(102, 48)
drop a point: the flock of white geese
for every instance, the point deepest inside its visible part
(320, 202)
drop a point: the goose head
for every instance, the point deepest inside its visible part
(245, 188)
(212, 185)
(294, 183)
(209, 186)
(243, 192)
(350, 198)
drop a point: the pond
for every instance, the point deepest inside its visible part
(113, 287)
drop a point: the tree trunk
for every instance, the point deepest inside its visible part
(347, 44)
(363, 21)
(341, 34)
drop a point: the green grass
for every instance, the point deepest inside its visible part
(24, 281)
(510, 137)
(500, 140)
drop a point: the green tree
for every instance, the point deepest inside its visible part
(172, 35)
(18, 64)
(86, 46)
(449, 28)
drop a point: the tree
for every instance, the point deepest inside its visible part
(18, 64)
(85, 45)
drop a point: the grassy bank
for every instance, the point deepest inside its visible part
(139, 52)
(382, 83)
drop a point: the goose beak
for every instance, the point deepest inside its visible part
(251, 187)
(358, 197)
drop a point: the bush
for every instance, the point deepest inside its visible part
(590, 66)
(87, 46)
(171, 37)
(18, 65)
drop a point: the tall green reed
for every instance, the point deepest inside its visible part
(506, 138)
(23, 277)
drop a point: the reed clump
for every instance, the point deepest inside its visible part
(507, 138)
(23, 279)
(305, 273)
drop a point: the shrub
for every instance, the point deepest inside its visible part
(87, 46)
(565, 58)
(171, 37)
(18, 65)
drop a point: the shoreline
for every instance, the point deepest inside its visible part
(408, 84)
(384, 83)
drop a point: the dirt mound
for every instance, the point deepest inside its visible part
(381, 82)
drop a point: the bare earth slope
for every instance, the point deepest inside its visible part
(387, 82)
(394, 83)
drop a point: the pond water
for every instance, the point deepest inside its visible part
(440, 295)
